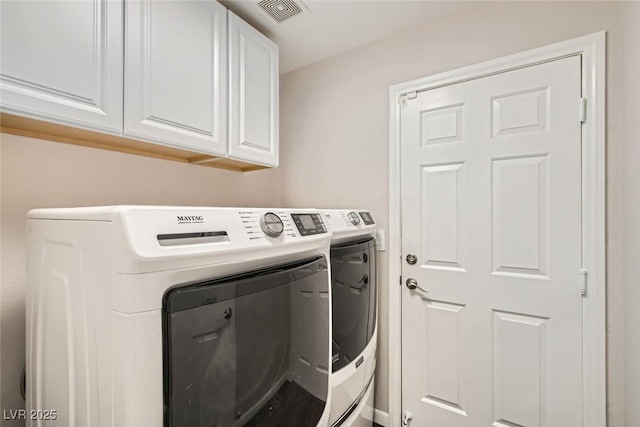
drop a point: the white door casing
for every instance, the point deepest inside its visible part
(62, 62)
(507, 232)
(176, 74)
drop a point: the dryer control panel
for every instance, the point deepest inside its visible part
(345, 224)
(348, 219)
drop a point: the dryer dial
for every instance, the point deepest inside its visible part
(271, 224)
(354, 218)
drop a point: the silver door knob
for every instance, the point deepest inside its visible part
(411, 283)
(412, 259)
(406, 417)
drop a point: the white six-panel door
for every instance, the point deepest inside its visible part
(491, 207)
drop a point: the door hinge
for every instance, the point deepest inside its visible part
(407, 416)
(408, 96)
(582, 110)
(583, 284)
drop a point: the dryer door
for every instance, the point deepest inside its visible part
(353, 297)
(249, 349)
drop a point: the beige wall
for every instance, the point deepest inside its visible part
(335, 126)
(631, 192)
(37, 173)
(334, 153)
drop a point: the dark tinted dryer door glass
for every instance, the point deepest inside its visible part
(353, 287)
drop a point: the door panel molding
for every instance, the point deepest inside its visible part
(591, 49)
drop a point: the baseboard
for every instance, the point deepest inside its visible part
(381, 417)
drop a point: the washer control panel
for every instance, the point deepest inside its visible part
(308, 224)
(281, 225)
(263, 225)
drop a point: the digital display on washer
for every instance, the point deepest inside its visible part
(308, 224)
(367, 218)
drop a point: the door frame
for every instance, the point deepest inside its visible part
(592, 50)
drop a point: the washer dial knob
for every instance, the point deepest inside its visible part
(354, 218)
(271, 224)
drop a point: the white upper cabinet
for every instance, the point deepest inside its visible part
(175, 74)
(253, 94)
(62, 62)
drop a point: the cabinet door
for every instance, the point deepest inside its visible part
(175, 74)
(253, 94)
(61, 61)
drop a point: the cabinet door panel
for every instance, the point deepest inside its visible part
(62, 61)
(253, 94)
(175, 79)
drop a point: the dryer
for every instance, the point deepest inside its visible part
(178, 316)
(354, 316)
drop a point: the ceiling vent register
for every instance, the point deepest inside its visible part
(281, 10)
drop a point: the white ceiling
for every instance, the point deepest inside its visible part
(330, 27)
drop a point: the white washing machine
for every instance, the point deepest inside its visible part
(354, 316)
(178, 316)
